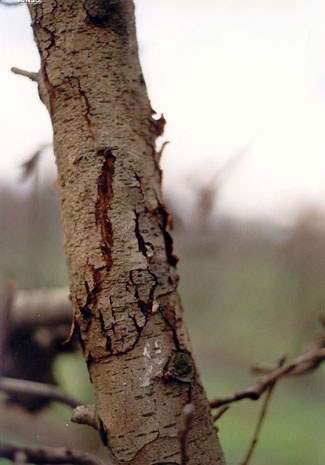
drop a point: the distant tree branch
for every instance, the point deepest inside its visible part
(261, 417)
(33, 324)
(48, 455)
(51, 392)
(258, 427)
(41, 307)
(301, 365)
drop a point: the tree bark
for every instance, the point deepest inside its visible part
(119, 254)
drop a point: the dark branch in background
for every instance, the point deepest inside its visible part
(188, 413)
(301, 365)
(48, 455)
(34, 325)
(48, 391)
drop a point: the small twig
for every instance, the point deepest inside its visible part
(261, 417)
(301, 365)
(29, 74)
(264, 369)
(49, 455)
(260, 369)
(162, 148)
(258, 425)
(220, 413)
(20, 386)
(188, 413)
(86, 415)
(37, 77)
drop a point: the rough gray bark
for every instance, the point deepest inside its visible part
(119, 253)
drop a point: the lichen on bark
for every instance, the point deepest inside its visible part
(119, 252)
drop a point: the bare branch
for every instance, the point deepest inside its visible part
(262, 416)
(301, 365)
(85, 415)
(258, 425)
(220, 413)
(29, 74)
(51, 392)
(48, 455)
(188, 413)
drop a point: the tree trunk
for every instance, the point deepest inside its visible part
(119, 253)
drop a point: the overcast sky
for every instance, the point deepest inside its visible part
(230, 76)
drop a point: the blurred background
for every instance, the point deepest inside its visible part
(242, 86)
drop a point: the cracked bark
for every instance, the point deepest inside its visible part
(119, 253)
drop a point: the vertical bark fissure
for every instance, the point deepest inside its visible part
(105, 196)
(119, 252)
(84, 102)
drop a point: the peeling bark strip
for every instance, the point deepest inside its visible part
(105, 196)
(120, 256)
